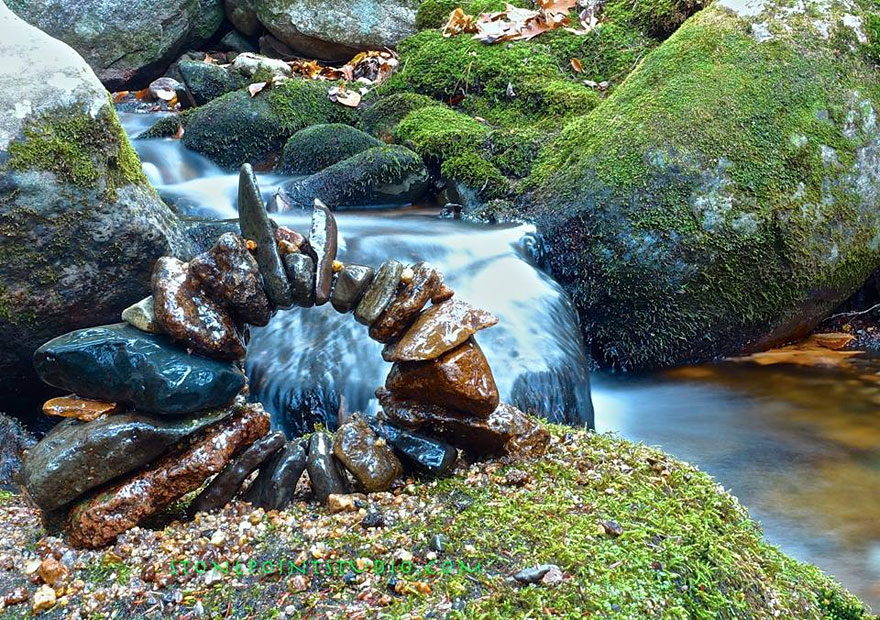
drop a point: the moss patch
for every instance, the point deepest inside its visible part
(476, 174)
(435, 13)
(382, 114)
(438, 133)
(314, 148)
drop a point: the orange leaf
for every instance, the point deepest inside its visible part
(576, 65)
(255, 88)
(179, 133)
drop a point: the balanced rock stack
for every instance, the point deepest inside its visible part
(159, 401)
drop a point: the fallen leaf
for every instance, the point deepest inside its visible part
(343, 96)
(833, 340)
(179, 133)
(120, 96)
(576, 65)
(813, 351)
(255, 88)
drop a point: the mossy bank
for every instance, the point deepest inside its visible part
(635, 533)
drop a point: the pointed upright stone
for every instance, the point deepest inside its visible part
(326, 473)
(323, 240)
(380, 293)
(256, 226)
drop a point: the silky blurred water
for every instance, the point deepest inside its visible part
(799, 447)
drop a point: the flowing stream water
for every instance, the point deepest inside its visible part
(800, 447)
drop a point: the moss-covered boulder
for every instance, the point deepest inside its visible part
(380, 176)
(206, 81)
(314, 148)
(237, 128)
(724, 197)
(380, 115)
(79, 225)
(128, 43)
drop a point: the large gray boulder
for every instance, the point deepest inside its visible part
(128, 43)
(332, 30)
(725, 197)
(80, 226)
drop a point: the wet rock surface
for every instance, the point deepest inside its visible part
(349, 286)
(426, 285)
(256, 226)
(82, 409)
(379, 293)
(323, 241)
(439, 329)
(14, 440)
(273, 489)
(229, 273)
(366, 455)
(206, 81)
(142, 315)
(300, 269)
(226, 484)
(420, 453)
(76, 457)
(506, 431)
(119, 363)
(460, 379)
(189, 316)
(325, 471)
(314, 148)
(97, 521)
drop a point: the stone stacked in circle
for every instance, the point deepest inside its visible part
(159, 401)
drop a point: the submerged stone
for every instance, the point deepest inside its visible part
(189, 316)
(256, 226)
(366, 455)
(349, 286)
(82, 409)
(143, 316)
(98, 521)
(276, 483)
(379, 293)
(228, 482)
(230, 274)
(506, 431)
(121, 364)
(301, 274)
(323, 241)
(420, 453)
(460, 379)
(437, 330)
(325, 471)
(426, 285)
(75, 457)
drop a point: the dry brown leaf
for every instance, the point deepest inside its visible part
(344, 96)
(833, 340)
(256, 87)
(576, 65)
(120, 96)
(813, 351)
(458, 23)
(179, 133)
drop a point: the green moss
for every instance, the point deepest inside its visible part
(79, 149)
(438, 133)
(476, 174)
(380, 116)
(314, 148)
(659, 18)
(263, 74)
(872, 32)
(514, 151)
(165, 127)
(714, 181)
(435, 13)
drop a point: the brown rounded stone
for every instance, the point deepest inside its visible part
(230, 274)
(189, 316)
(507, 431)
(460, 378)
(437, 330)
(366, 455)
(426, 284)
(98, 521)
(79, 408)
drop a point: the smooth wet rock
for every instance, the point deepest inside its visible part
(189, 316)
(14, 440)
(314, 148)
(300, 270)
(379, 293)
(256, 226)
(228, 273)
(76, 457)
(119, 363)
(98, 521)
(325, 471)
(534, 574)
(506, 431)
(274, 487)
(142, 315)
(366, 455)
(323, 241)
(227, 483)
(290, 241)
(460, 379)
(425, 455)
(349, 286)
(439, 329)
(206, 81)
(240, 14)
(426, 285)
(82, 409)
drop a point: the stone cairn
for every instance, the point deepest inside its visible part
(159, 403)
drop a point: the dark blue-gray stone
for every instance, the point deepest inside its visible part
(420, 453)
(121, 364)
(78, 456)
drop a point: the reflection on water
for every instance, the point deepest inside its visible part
(799, 446)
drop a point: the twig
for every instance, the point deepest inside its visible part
(854, 312)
